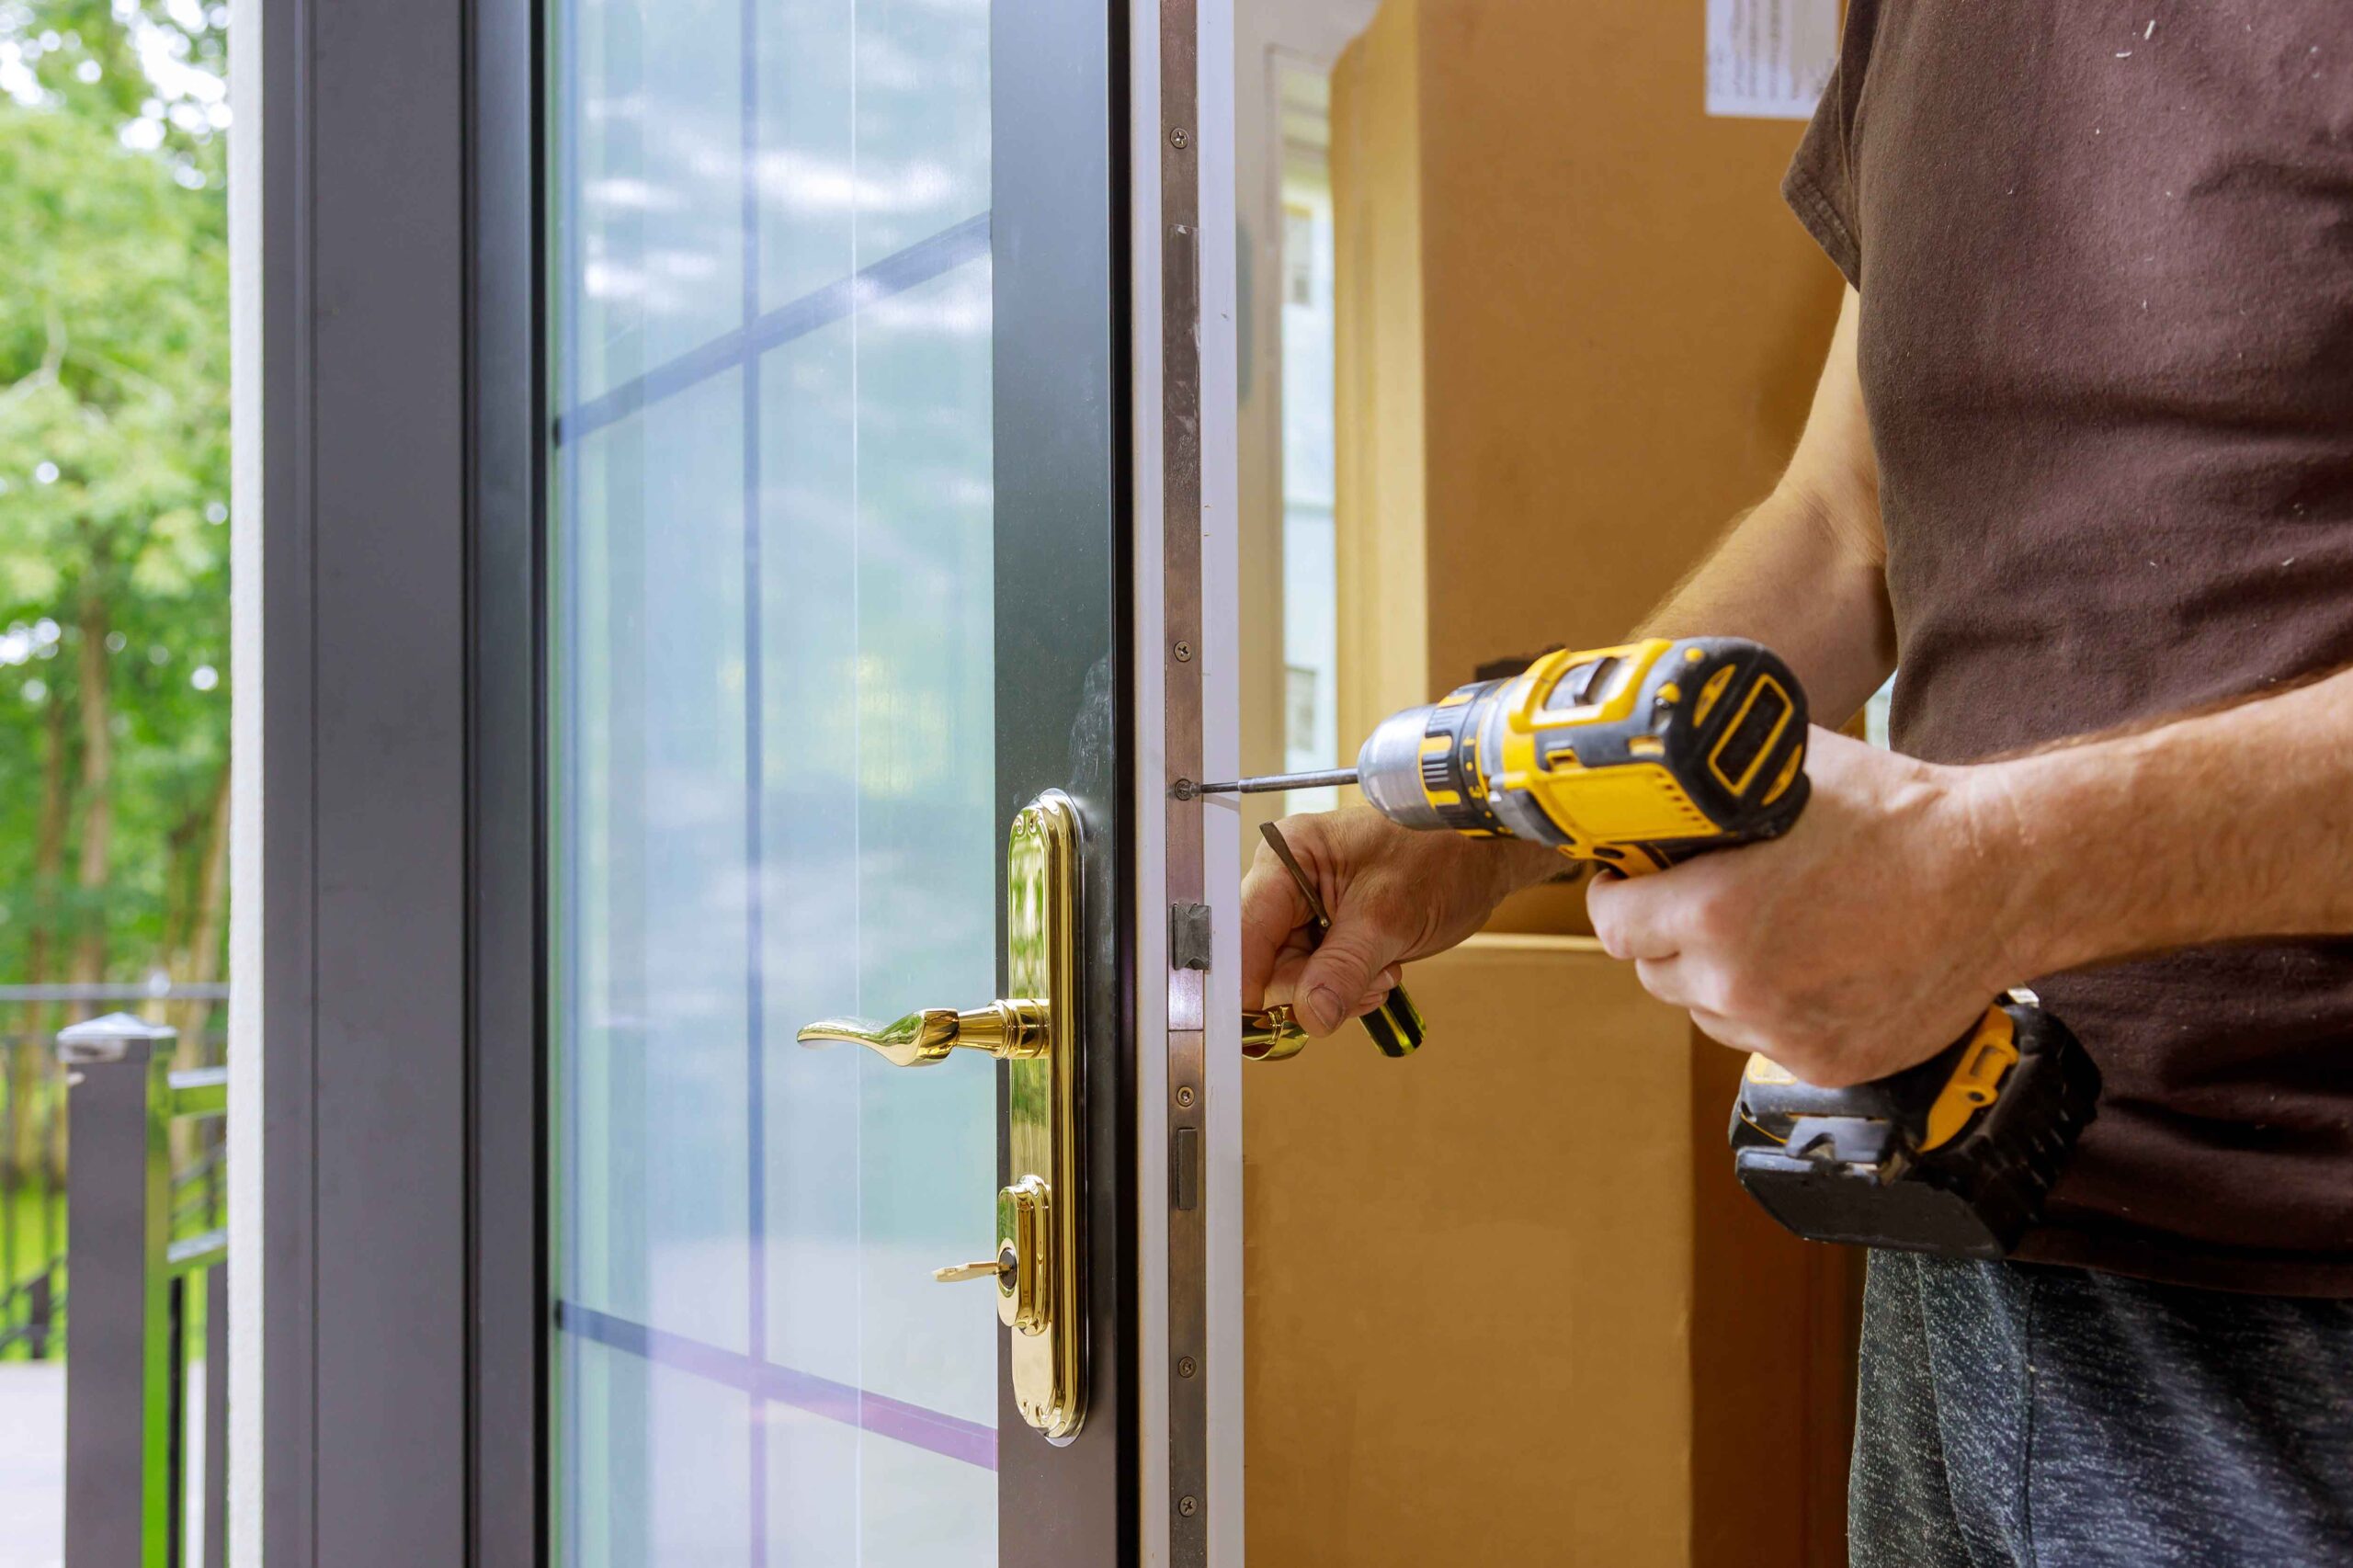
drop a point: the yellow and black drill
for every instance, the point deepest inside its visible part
(1637, 756)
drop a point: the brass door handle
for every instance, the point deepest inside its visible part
(1041, 1233)
(1271, 1034)
(1010, 1031)
(1274, 1034)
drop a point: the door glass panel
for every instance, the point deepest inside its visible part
(773, 720)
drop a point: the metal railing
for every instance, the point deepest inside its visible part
(33, 1153)
(126, 1386)
(32, 1198)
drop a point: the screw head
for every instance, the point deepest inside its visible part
(1179, 138)
(1185, 1367)
(1188, 1506)
(1183, 653)
(1185, 1096)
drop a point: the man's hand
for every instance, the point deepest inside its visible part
(1392, 894)
(1861, 942)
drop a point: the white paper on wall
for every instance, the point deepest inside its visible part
(1770, 59)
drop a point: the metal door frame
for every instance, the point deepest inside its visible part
(1188, 706)
(402, 871)
(400, 853)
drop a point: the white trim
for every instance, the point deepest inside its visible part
(244, 1132)
(1220, 637)
(1148, 810)
(1220, 706)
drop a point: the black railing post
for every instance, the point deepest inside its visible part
(40, 1311)
(12, 1180)
(216, 1416)
(120, 1386)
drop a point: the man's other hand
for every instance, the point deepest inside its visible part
(1393, 895)
(1863, 940)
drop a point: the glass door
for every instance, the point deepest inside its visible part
(830, 576)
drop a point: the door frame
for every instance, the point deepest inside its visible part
(400, 874)
(401, 870)
(1187, 724)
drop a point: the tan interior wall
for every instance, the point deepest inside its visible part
(1623, 324)
(1379, 450)
(1506, 1304)
(1466, 1322)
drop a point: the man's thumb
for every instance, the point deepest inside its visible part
(1336, 974)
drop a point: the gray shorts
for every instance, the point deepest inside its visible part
(2011, 1414)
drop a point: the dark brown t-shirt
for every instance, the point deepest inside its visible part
(2106, 262)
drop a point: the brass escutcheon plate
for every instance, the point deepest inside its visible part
(1041, 1209)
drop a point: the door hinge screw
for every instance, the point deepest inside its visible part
(1183, 653)
(1188, 1506)
(1179, 138)
(1185, 1367)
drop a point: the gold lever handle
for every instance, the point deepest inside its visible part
(1271, 1034)
(1011, 1031)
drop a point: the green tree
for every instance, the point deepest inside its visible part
(114, 457)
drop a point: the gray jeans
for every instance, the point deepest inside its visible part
(2045, 1417)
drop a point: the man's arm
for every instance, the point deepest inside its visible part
(1907, 894)
(1870, 935)
(1803, 573)
(2228, 825)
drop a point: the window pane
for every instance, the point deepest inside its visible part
(773, 777)
(656, 940)
(654, 131)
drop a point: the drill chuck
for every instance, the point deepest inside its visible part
(1389, 770)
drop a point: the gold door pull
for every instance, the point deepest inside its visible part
(1271, 1034)
(1039, 1268)
(1012, 1031)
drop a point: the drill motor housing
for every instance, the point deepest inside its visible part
(1631, 757)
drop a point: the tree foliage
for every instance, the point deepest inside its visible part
(114, 488)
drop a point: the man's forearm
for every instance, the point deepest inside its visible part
(1805, 574)
(1865, 939)
(2229, 825)
(1785, 579)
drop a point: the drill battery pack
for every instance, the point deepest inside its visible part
(1953, 1157)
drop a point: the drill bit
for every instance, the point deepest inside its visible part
(1185, 789)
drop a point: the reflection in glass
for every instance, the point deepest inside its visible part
(771, 579)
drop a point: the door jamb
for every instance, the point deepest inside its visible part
(1190, 1024)
(398, 863)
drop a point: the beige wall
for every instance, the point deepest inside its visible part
(1382, 453)
(1466, 1323)
(1505, 1304)
(1622, 325)
(1587, 299)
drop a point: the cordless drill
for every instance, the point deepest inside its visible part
(1638, 757)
